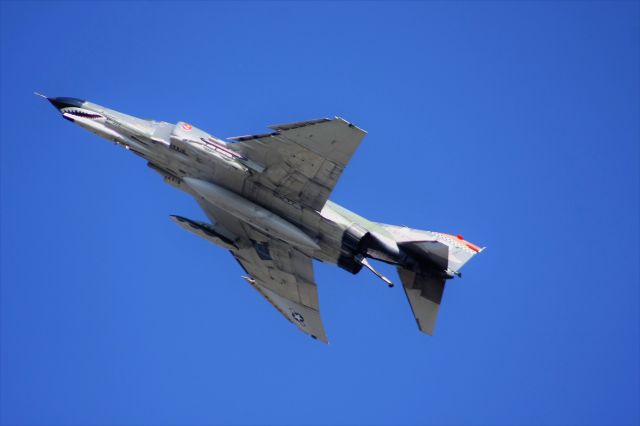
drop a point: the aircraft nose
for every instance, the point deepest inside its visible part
(64, 102)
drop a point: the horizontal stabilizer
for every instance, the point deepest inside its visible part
(424, 293)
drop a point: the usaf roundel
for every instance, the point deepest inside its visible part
(296, 316)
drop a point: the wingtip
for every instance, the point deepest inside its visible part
(322, 339)
(350, 124)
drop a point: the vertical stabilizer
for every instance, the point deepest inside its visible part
(435, 249)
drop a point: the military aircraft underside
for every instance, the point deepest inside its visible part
(267, 199)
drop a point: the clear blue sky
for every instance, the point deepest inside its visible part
(514, 124)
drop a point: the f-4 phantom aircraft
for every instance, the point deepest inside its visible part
(267, 199)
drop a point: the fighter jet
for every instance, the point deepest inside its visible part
(267, 199)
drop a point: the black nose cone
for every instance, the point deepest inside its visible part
(66, 102)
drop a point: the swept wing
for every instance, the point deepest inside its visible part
(303, 161)
(279, 272)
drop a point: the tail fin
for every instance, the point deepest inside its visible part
(434, 249)
(434, 258)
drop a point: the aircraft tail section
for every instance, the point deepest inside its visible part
(434, 250)
(431, 258)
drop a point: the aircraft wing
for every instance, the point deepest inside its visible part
(303, 161)
(284, 276)
(424, 293)
(279, 272)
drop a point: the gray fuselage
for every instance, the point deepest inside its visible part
(182, 151)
